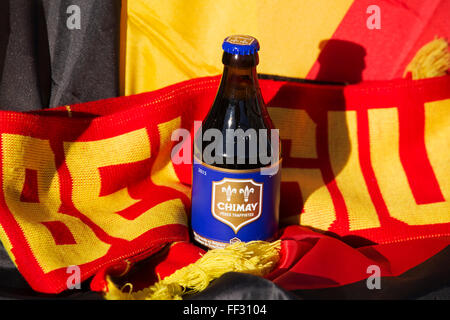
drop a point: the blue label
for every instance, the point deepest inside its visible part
(234, 205)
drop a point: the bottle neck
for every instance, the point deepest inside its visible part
(239, 83)
(239, 79)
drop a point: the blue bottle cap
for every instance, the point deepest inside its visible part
(240, 44)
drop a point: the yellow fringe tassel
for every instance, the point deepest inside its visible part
(432, 60)
(255, 257)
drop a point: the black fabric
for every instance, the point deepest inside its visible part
(241, 286)
(19, 84)
(45, 64)
(428, 280)
(14, 286)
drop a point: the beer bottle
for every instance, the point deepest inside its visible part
(236, 171)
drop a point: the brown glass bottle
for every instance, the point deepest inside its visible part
(239, 105)
(232, 200)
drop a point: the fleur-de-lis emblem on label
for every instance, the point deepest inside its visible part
(236, 211)
(246, 192)
(228, 191)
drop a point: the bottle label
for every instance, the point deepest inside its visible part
(234, 205)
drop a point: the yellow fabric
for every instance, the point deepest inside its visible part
(21, 153)
(385, 159)
(384, 133)
(164, 42)
(163, 172)
(30, 215)
(255, 257)
(361, 211)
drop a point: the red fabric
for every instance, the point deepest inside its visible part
(310, 260)
(356, 53)
(180, 255)
(147, 271)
